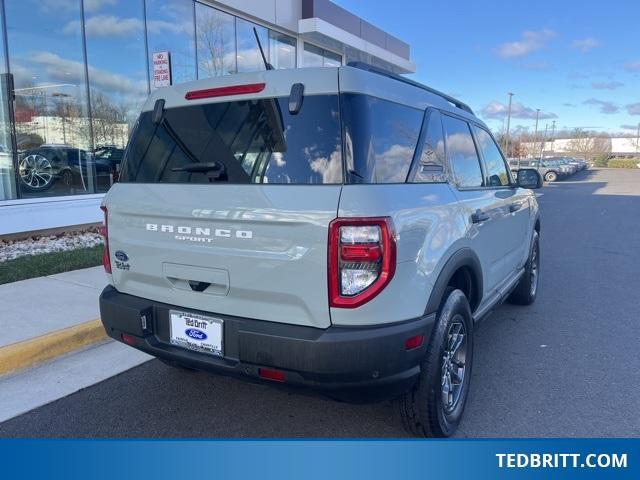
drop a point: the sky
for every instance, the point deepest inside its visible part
(577, 61)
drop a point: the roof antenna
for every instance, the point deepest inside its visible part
(267, 65)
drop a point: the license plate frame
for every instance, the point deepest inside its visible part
(195, 332)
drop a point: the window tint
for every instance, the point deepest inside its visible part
(431, 165)
(247, 141)
(461, 152)
(496, 173)
(380, 138)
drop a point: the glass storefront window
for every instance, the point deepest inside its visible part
(216, 42)
(319, 57)
(249, 58)
(118, 83)
(312, 56)
(332, 59)
(282, 50)
(51, 108)
(7, 172)
(170, 29)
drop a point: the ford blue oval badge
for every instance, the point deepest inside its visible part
(195, 334)
(123, 257)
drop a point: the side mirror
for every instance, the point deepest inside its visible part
(529, 178)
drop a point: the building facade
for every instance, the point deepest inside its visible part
(74, 74)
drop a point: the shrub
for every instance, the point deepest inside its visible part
(623, 163)
(601, 160)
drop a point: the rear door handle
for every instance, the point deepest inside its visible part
(479, 217)
(514, 207)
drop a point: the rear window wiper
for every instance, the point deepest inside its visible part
(215, 171)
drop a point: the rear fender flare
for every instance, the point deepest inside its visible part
(465, 257)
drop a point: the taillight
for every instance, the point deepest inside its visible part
(362, 259)
(104, 230)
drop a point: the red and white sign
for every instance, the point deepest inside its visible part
(161, 69)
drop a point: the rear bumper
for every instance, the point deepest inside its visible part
(352, 364)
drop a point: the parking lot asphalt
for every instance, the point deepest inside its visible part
(566, 366)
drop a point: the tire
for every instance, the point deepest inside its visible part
(424, 410)
(527, 289)
(550, 177)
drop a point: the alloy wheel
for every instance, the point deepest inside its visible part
(454, 364)
(534, 271)
(36, 171)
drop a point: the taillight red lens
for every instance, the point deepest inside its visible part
(225, 91)
(362, 259)
(104, 230)
(360, 253)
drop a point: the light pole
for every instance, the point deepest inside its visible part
(553, 131)
(544, 140)
(506, 143)
(535, 133)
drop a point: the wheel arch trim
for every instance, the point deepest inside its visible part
(464, 257)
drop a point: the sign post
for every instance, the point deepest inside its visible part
(161, 69)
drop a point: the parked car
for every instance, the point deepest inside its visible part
(108, 159)
(550, 170)
(338, 229)
(41, 167)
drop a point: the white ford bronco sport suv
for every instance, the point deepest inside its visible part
(339, 229)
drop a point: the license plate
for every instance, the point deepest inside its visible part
(196, 332)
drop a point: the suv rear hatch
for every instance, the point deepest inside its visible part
(225, 197)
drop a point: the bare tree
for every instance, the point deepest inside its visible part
(212, 32)
(589, 145)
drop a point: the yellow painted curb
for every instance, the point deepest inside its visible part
(28, 353)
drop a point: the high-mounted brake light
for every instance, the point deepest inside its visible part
(362, 259)
(104, 231)
(225, 91)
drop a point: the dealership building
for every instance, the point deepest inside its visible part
(74, 74)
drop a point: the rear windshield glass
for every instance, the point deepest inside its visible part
(247, 141)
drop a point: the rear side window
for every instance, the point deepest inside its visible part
(430, 166)
(247, 141)
(380, 138)
(461, 153)
(497, 174)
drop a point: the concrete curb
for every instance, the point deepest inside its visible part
(28, 353)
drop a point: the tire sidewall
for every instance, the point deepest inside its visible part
(445, 424)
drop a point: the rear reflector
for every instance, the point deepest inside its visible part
(104, 231)
(414, 342)
(269, 374)
(128, 339)
(225, 91)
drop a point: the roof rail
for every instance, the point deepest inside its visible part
(381, 71)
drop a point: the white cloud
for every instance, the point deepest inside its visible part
(585, 44)
(633, 108)
(607, 85)
(90, 6)
(499, 110)
(107, 26)
(530, 42)
(393, 164)
(330, 168)
(633, 66)
(71, 71)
